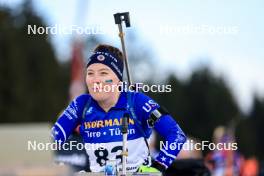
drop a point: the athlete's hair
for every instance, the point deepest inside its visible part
(111, 49)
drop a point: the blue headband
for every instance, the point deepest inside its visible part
(108, 59)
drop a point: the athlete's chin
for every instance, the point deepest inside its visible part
(99, 96)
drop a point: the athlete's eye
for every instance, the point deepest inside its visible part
(104, 73)
(90, 73)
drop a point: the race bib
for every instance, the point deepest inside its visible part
(99, 154)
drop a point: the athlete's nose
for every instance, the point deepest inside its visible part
(96, 80)
(96, 83)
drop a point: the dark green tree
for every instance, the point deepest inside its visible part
(249, 131)
(200, 103)
(33, 83)
(210, 103)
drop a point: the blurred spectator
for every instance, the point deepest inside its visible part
(226, 162)
(250, 167)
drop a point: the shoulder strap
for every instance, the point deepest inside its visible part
(130, 101)
(86, 106)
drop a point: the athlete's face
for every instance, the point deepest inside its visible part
(101, 82)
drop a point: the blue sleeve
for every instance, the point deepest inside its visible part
(166, 126)
(69, 119)
(144, 106)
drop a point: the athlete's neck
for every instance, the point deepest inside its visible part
(110, 102)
